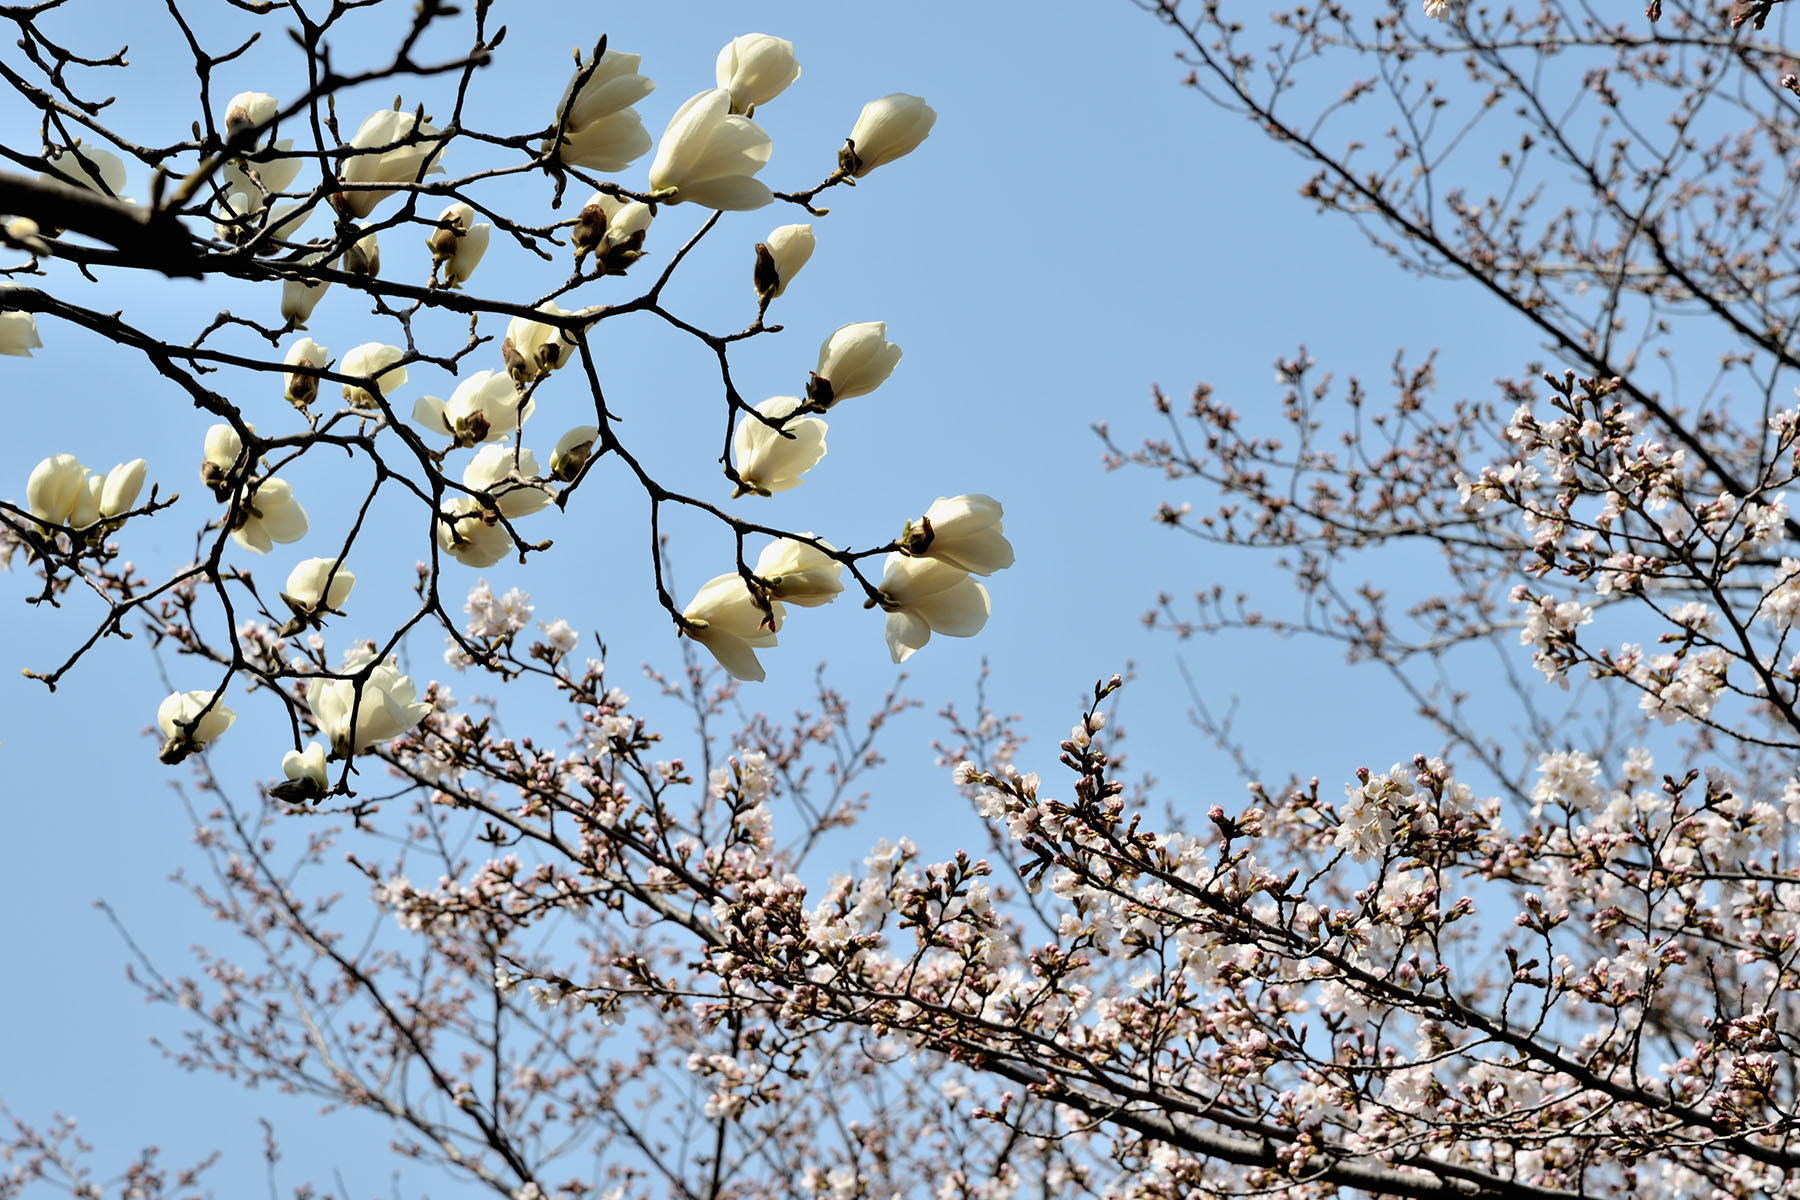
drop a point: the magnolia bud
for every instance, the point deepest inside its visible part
(54, 488)
(303, 389)
(572, 452)
(780, 258)
(364, 256)
(120, 489)
(886, 129)
(245, 111)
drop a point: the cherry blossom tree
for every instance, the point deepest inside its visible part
(1548, 961)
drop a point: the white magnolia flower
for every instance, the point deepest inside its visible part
(399, 148)
(963, 531)
(471, 536)
(24, 233)
(303, 389)
(299, 297)
(613, 226)
(483, 408)
(534, 348)
(55, 488)
(572, 451)
(376, 362)
(269, 515)
(258, 171)
(1437, 10)
(179, 717)
(90, 167)
(886, 129)
(305, 764)
(386, 705)
(19, 334)
(87, 503)
(363, 257)
(223, 448)
(260, 175)
(770, 461)
(119, 490)
(308, 590)
(246, 110)
(492, 470)
(244, 214)
(708, 155)
(799, 573)
(235, 221)
(755, 68)
(459, 248)
(603, 132)
(263, 169)
(853, 361)
(779, 258)
(307, 777)
(923, 596)
(724, 617)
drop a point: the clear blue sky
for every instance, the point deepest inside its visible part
(1077, 227)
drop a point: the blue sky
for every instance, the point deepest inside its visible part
(1077, 228)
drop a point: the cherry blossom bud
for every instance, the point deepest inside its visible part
(375, 362)
(922, 597)
(779, 259)
(308, 590)
(799, 573)
(853, 362)
(54, 488)
(755, 68)
(303, 389)
(188, 723)
(534, 348)
(614, 227)
(364, 256)
(385, 705)
(963, 531)
(494, 471)
(724, 617)
(771, 460)
(18, 334)
(120, 489)
(708, 155)
(269, 515)
(887, 129)
(603, 132)
(401, 149)
(572, 452)
(483, 408)
(470, 536)
(307, 778)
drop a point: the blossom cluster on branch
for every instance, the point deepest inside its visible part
(270, 190)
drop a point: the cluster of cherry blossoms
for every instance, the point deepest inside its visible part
(1615, 512)
(467, 451)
